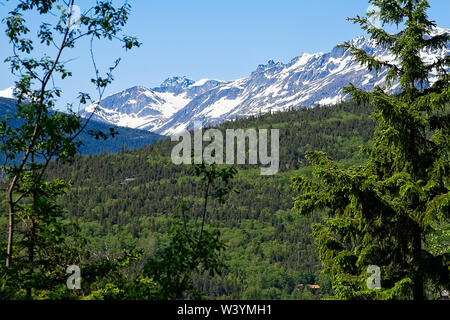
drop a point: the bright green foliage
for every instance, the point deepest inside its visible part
(382, 212)
(111, 279)
(47, 243)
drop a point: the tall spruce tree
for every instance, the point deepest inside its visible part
(383, 212)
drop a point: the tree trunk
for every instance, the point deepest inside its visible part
(9, 249)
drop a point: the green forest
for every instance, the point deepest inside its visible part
(359, 210)
(127, 199)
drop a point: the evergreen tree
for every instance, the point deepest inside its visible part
(382, 213)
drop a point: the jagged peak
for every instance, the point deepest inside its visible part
(176, 82)
(270, 64)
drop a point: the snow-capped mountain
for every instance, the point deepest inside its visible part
(307, 80)
(149, 109)
(8, 93)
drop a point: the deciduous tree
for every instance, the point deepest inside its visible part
(37, 246)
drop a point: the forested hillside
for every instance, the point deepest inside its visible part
(126, 138)
(124, 200)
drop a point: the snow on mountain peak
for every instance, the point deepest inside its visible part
(270, 65)
(175, 84)
(8, 93)
(202, 82)
(307, 80)
(438, 31)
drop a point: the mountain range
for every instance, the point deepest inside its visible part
(307, 80)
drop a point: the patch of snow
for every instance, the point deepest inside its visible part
(202, 82)
(8, 93)
(173, 103)
(220, 107)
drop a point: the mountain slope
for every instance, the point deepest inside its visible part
(142, 108)
(126, 138)
(307, 80)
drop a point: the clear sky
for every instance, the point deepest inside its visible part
(217, 39)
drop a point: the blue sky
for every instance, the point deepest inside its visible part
(214, 39)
